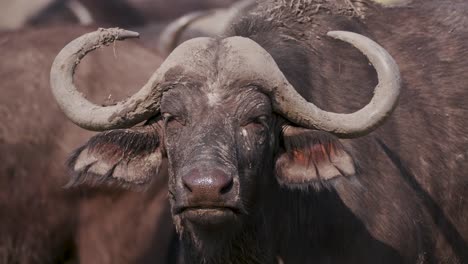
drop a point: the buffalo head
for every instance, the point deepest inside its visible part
(225, 120)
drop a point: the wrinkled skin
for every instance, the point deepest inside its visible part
(209, 148)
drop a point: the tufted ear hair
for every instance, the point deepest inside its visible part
(311, 158)
(128, 157)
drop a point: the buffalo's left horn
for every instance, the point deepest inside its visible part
(294, 107)
(82, 112)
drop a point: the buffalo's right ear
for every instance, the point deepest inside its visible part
(129, 157)
(311, 158)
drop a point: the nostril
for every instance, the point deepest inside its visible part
(227, 187)
(187, 187)
(190, 180)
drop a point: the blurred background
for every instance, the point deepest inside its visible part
(149, 17)
(15, 14)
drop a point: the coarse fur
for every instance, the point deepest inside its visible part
(398, 195)
(404, 161)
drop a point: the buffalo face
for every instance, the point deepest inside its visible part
(218, 142)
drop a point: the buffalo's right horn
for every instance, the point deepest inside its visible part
(294, 107)
(82, 112)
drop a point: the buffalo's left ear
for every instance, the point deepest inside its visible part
(311, 157)
(130, 157)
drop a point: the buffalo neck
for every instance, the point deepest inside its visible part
(253, 244)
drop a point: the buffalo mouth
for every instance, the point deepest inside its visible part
(208, 215)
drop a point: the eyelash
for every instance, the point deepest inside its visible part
(260, 120)
(168, 118)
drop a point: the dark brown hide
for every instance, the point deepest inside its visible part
(40, 221)
(401, 195)
(410, 193)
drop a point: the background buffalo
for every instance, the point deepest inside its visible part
(123, 13)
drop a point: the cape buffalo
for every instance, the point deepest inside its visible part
(40, 221)
(260, 174)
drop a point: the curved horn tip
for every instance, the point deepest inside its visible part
(339, 34)
(119, 33)
(333, 33)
